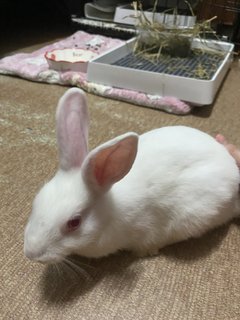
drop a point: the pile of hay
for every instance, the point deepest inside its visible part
(155, 39)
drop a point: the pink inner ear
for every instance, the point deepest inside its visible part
(113, 163)
(105, 169)
(77, 144)
(72, 129)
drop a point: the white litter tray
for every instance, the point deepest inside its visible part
(121, 68)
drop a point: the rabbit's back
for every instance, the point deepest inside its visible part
(183, 154)
(182, 183)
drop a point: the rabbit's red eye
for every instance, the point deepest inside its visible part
(74, 223)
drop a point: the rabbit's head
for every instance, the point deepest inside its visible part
(67, 215)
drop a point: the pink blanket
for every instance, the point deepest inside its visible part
(33, 66)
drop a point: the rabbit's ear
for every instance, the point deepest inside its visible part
(110, 162)
(72, 128)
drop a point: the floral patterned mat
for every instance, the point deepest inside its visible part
(33, 66)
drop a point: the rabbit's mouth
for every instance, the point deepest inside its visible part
(49, 259)
(45, 258)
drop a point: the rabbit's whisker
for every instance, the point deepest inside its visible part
(80, 263)
(76, 268)
(59, 270)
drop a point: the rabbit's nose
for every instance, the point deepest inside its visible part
(41, 257)
(30, 253)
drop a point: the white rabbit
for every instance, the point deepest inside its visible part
(136, 193)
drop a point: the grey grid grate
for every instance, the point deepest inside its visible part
(198, 66)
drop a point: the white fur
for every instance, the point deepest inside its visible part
(181, 184)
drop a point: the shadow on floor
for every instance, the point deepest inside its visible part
(122, 268)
